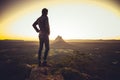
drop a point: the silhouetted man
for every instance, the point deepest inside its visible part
(44, 31)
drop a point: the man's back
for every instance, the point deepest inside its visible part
(44, 25)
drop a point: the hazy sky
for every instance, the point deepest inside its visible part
(78, 19)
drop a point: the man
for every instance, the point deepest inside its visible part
(44, 31)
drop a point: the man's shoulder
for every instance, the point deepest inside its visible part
(41, 18)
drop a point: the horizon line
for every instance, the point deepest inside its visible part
(54, 39)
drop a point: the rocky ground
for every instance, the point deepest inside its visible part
(43, 73)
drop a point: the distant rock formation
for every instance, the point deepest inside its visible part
(59, 43)
(59, 40)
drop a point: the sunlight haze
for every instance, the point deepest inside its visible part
(76, 19)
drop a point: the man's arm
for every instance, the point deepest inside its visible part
(35, 26)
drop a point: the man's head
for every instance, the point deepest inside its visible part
(44, 11)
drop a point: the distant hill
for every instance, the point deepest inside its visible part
(12, 40)
(59, 43)
(59, 39)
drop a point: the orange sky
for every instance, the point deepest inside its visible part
(101, 22)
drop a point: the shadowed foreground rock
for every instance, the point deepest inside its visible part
(43, 73)
(72, 74)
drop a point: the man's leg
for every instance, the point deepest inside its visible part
(46, 49)
(41, 41)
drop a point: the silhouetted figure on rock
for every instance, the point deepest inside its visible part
(44, 31)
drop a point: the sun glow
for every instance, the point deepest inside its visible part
(72, 20)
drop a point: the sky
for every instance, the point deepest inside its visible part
(71, 19)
